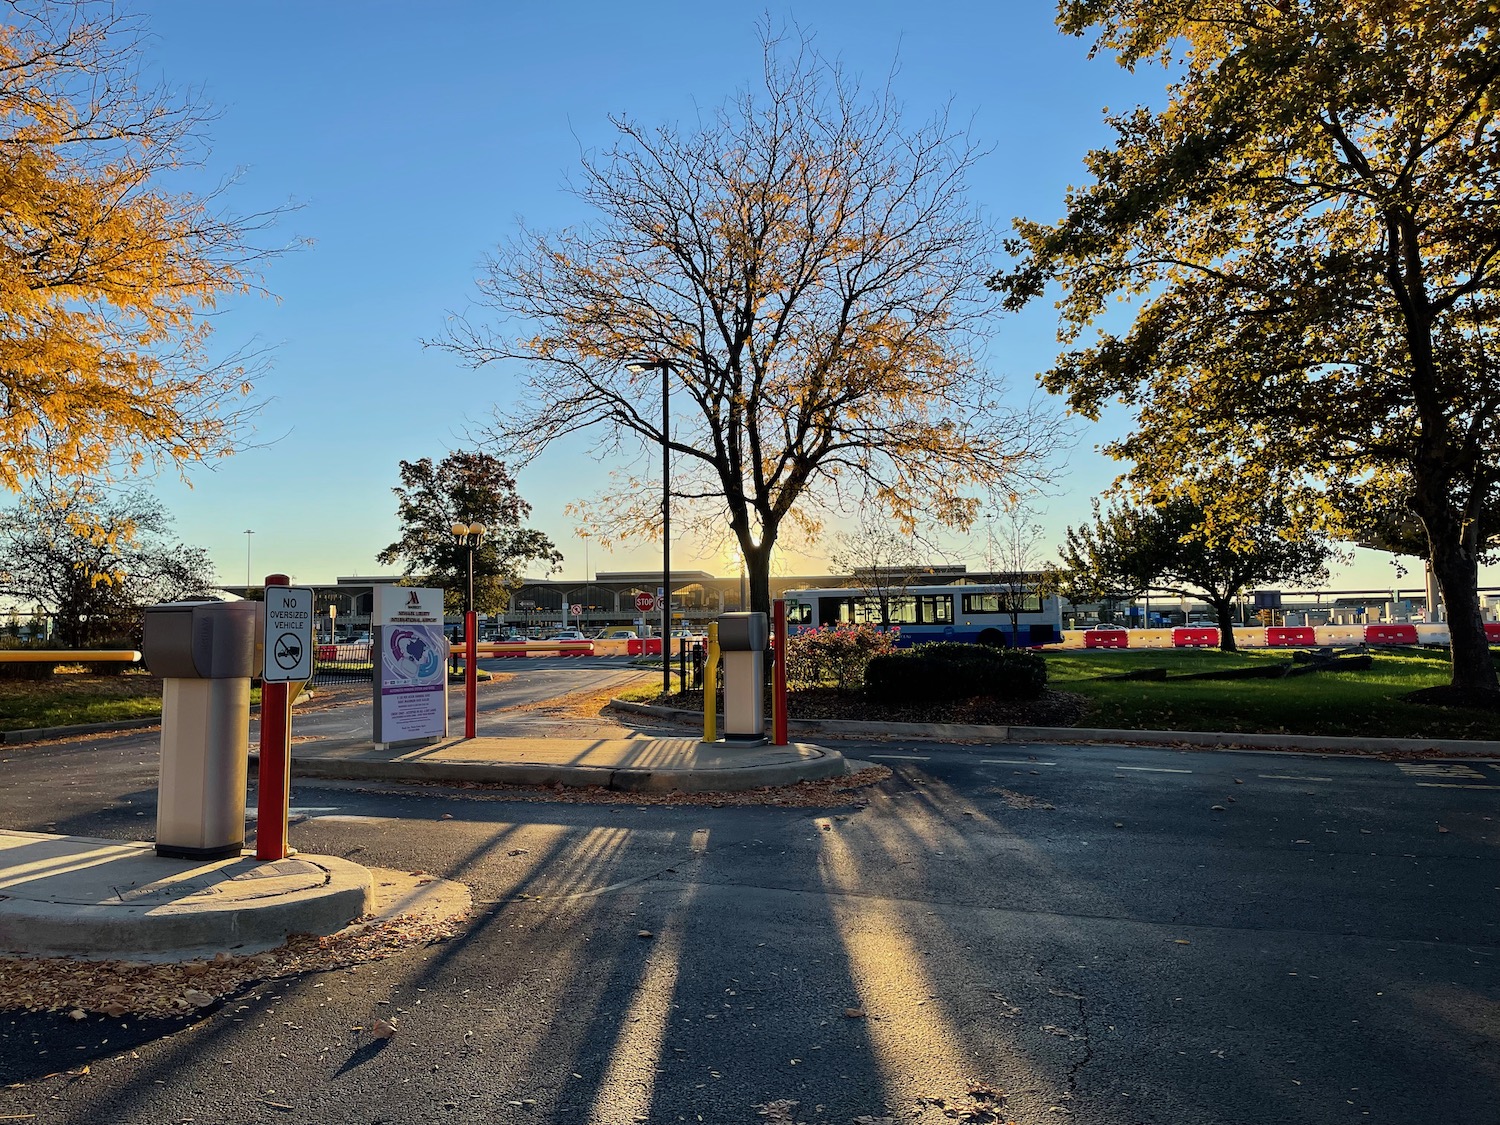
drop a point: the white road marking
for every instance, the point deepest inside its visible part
(901, 757)
(1011, 762)
(1451, 785)
(1291, 777)
(1438, 770)
(1151, 769)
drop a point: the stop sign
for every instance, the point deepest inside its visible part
(645, 602)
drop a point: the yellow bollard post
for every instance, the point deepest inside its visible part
(710, 685)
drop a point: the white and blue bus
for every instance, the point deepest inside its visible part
(990, 614)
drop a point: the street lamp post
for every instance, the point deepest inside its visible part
(248, 533)
(646, 363)
(470, 536)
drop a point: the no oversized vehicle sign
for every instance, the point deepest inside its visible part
(289, 634)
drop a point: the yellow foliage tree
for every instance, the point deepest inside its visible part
(106, 275)
(811, 270)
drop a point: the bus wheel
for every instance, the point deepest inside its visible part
(992, 637)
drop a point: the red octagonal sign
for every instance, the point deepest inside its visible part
(645, 602)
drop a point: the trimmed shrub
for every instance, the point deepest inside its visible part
(29, 670)
(113, 667)
(947, 670)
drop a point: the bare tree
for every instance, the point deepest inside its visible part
(882, 557)
(811, 270)
(1014, 554)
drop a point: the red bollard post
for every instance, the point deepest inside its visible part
(471, 672)
(778, 674)
(274, 780)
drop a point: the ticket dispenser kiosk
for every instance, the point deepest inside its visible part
(205, 653)
(742, 641)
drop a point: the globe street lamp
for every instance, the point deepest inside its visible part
(637, 365)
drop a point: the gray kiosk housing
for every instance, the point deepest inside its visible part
(206, 654)
(743, 638)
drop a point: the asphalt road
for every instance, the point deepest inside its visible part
(1078, 927)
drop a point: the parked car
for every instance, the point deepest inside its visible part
(616, 635)
(568, 635)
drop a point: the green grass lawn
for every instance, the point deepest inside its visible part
(73, 698)
(1366, 703)
(1336, 703)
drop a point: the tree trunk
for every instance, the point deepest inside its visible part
(758, 573)
(1455, 564)
(1224, 608)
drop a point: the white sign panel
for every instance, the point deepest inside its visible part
(411, 665)
(289, 634)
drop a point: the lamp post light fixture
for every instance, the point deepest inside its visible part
(469, 536)
(637, 365)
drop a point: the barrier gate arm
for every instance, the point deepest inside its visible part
(67, 655)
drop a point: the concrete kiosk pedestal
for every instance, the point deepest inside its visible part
(205, 653)
(742, 641)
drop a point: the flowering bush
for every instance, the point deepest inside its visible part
(835, 655)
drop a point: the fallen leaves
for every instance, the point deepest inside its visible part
(854, 1013)
(383, 1029)
(985, 1104)
(782, 1110)
(114, 989)
(1022, 800)
(829, 792)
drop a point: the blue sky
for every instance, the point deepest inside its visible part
(413, 137)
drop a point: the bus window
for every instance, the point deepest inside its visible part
(1015, 601)
(798, 613)
(935, 609)
(835, 611)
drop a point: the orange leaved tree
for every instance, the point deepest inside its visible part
(107, 274)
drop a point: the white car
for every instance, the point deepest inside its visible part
(568, 635)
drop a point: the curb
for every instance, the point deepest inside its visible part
(42, 734)
(956, 732)
(623, 779)
(109, 932)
